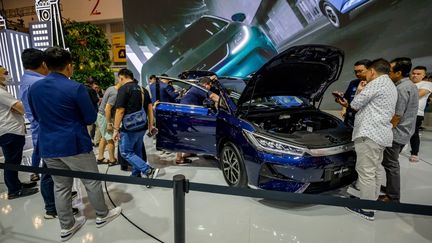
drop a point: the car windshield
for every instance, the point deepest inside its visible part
(191, 38)
(235, 87)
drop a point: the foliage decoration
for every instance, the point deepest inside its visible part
(90, 52)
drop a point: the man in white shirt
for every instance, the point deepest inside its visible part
(375, 104)
(12, 140)
(425, 88)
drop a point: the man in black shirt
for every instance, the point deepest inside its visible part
(129, 100)
(360, 69)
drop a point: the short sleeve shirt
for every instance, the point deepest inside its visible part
(109, 97)
(423, 100)
(129, 96)
(10, 122)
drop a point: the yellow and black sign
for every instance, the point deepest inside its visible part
(119, 48)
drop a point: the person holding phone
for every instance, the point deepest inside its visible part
(360, 69)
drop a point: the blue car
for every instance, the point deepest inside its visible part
(337, 11)
(267, 132)
(225, 47)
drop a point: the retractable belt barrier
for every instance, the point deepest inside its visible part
(244, 192)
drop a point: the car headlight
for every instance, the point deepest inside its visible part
(270, 145)
(240, 40)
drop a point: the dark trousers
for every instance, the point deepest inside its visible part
(47, 191)
(12, 146)
(415, 139)
(391, 165)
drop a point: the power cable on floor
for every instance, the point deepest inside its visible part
(124, 216)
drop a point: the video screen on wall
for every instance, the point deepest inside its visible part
(236, 37)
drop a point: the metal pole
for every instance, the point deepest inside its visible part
(180, 188)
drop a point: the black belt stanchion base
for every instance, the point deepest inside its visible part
(180, 188)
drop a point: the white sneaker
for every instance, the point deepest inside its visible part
(66, 234)
(155, 173)
(112, 214)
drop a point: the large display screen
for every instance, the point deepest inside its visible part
(236, 37)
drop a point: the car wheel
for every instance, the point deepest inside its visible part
(336, 18)
(232, 165)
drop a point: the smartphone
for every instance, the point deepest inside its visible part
(153, 132)
(337, 95)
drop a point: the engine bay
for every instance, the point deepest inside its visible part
(295, 122)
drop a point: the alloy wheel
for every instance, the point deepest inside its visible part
(332, 15)
(231, 166)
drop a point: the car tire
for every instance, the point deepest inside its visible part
(336, 18)
(232, 165)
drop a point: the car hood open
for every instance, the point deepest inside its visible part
(304, 71)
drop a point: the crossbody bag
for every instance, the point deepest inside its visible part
(137, 120)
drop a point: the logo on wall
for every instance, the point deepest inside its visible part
(48, 10)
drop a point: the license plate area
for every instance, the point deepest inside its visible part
(336, 173)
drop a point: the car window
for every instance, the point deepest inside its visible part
(192, 37)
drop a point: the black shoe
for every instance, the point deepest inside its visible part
(74, 194)
(53, 214)
(125, 168)
(23, 193)
(28, 184)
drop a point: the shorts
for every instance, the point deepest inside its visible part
(101, 121)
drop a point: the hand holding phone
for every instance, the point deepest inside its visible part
(337, 95)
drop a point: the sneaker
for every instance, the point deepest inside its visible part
(53, 214)
(369, 215)
(151, 173)
(414, 158)
(23, 193)
(112, 214)
(34, 177)
(66, 234)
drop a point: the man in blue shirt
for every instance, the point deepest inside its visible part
(196, 96)
(35, 69)
(63, 109)
(163, 92)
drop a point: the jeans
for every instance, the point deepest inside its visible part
(369, 157)
(34, 127)
(131, 144)
(47, 191)
(415, 139)
(392, 169)
(12, 146)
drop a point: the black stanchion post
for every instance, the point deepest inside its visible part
(180, 188)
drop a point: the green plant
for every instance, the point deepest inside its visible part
(90, 52)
